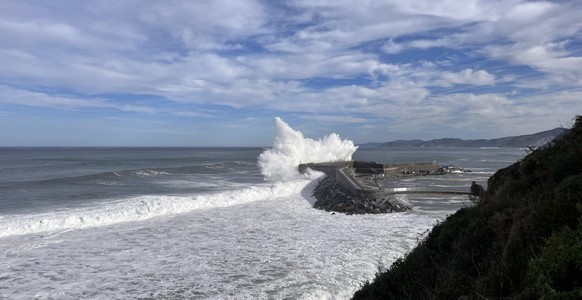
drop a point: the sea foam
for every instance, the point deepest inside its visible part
(141, 208)
(291, 148)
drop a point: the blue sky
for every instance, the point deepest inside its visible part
(216, 73)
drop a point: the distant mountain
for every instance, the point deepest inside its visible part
(521, 141)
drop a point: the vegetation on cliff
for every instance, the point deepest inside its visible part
(522, 240)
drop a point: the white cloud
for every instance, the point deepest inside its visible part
(320, 49)
(37, 99)
(528, 33)
(469, 76)
(335, 119)
(207, 25)
(393, 48)
(551, 57)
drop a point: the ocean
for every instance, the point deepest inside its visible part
(207, 223)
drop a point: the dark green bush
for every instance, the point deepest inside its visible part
(557, 272)
(523, 240)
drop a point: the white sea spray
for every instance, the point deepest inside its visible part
(291, 148)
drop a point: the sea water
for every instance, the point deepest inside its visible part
(206, 223)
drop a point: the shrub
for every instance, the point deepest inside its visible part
(523, 240)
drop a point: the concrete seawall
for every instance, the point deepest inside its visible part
(348, 182)
(342, 172)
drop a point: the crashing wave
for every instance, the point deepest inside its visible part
(291, 148)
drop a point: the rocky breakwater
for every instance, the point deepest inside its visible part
(331, 196)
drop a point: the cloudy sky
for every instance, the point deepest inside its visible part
(216, 73)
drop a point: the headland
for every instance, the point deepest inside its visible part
(521, 240)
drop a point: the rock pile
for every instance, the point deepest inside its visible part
(331, 196)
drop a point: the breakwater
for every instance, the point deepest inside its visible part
(332, 196)
(353, 187)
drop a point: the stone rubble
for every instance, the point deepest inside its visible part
(331, 196)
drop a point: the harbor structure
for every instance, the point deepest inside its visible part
(359, 182)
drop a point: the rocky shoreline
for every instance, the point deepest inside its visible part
(331, 196)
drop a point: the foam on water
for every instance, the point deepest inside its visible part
(272, 249)
(141, 208)
(149, 172)
(291, 148)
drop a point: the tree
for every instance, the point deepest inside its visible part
(476, 192)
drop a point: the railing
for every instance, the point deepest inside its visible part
(408, 190)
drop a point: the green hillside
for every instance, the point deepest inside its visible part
(523, 240)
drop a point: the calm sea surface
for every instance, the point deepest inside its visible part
(201, 223)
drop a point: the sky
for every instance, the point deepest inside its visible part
(217, 73)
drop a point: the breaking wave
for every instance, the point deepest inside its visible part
(141, 208)
(291, 148)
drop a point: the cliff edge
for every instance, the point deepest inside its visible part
(523, 240)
